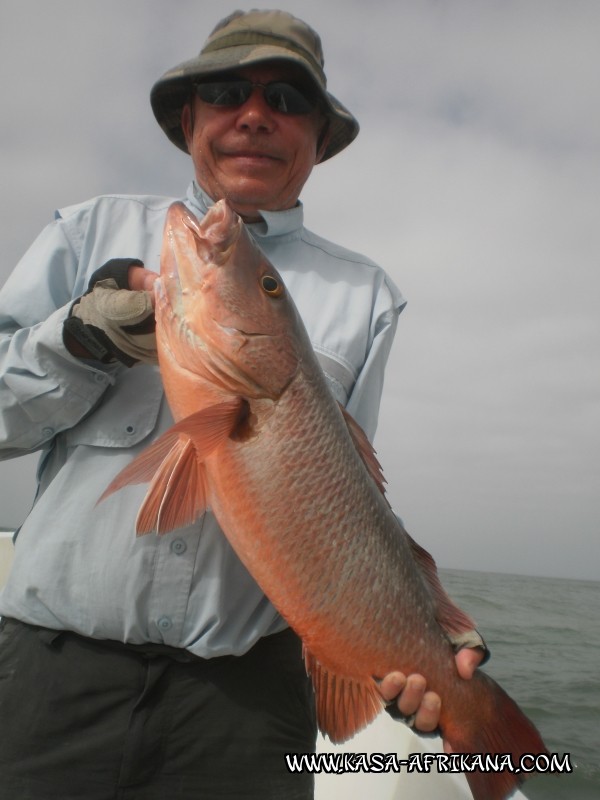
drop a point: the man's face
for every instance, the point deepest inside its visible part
(252, 155)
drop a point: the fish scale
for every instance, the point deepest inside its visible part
(296, 489)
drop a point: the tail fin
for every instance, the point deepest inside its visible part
(492, 728)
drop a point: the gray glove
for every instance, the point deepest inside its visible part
(111, 322)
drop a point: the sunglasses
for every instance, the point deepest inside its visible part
(279, 95)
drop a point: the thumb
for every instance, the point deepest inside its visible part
(141, 279)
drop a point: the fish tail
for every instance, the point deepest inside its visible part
(497, 734)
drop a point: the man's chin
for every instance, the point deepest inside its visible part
(249, 204)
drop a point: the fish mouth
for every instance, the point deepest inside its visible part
(232, 331)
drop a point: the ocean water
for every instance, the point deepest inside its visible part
(544, 635)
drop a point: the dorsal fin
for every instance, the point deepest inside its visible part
(365, 449)
(449, 615)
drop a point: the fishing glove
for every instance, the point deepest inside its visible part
(111, 322)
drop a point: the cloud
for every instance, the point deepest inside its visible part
(474, 182)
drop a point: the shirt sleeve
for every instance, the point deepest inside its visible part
(43, 388)
(365, 398)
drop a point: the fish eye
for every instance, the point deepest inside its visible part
(271, 285)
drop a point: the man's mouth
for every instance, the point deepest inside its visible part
(258, 156)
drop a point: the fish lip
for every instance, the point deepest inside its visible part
(233, 331)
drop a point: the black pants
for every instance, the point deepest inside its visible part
(82, 719)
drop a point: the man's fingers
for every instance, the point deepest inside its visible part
(391, 686)
(408, 692)
(141, 279)
(412, 695)
(412, 699)
(428, 715)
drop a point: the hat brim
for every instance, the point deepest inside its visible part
(173, 90)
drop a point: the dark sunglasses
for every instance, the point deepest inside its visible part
(279, 95)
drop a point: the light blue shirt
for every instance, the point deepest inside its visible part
(78, 565)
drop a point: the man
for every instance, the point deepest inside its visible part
(151, 668)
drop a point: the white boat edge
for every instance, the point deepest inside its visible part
(395, 742)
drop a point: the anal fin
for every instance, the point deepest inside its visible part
(344, 705)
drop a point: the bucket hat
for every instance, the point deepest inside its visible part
(242, 39)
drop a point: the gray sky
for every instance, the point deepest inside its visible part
(474, 182)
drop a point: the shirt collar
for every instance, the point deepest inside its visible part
(273, 223)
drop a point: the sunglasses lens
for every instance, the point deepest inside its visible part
(286, 99)
(282, 97)
(224, 93)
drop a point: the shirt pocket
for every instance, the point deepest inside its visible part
(127, 413)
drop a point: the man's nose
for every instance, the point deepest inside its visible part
(255, 114)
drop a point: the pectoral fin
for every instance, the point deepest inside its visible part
(177, 494)
(175, 465)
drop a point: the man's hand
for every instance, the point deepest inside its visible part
(114, 320)
(413, 699)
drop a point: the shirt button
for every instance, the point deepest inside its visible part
(178, 546)
(99, 377)
(130, 429)
(47, 433)
(164, 623)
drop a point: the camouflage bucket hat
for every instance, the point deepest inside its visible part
(242, 39)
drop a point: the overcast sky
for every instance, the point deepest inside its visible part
(475, 183)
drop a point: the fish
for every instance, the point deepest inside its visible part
(299, 493)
